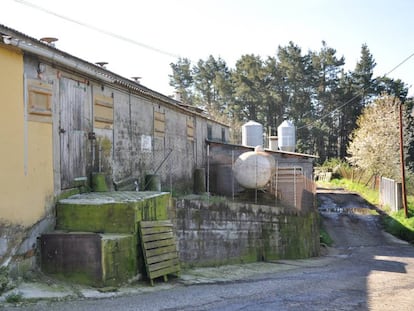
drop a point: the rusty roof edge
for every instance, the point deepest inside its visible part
(37, 44)
(209, 141)
(293, 153)
(100, 72)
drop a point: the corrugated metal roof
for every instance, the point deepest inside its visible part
(101, 72)
(295, 154)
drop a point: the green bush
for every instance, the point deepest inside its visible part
(14, 297)
(338, 167)
(325, 238)
(4, 279)
(409, 183)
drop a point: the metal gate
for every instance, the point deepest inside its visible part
(73, 133)
(390, 193)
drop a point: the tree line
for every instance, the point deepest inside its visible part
(312, 89)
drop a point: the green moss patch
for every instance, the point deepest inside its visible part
(113, 212)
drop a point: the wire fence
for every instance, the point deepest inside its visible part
(173, 163)
(288, 180)
(290, 183)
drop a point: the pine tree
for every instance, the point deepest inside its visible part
(249, 88)
(363, 76)
(212, 84)
(328, 70)
(311, 89)
(182, 79)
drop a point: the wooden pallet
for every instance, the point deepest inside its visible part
(159, 249)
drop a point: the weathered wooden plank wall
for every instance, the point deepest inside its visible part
(73, 131)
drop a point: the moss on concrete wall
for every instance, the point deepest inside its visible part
(214, 233)
(105, 259)
(110, 215)
(119, 258)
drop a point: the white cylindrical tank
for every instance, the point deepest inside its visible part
(252, 134)
(253, 169)
(286, 133)
(273, 145)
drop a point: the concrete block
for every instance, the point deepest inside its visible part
(111, 212)
(89, 258)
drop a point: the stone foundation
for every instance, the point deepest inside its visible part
(213, 232)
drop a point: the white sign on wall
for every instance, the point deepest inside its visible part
(146, 143)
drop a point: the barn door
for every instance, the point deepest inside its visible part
(73, 131)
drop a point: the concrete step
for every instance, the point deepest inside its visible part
(111, 212)
(89, 258)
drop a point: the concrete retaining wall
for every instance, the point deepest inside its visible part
(221, 232)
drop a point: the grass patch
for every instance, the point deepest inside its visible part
(325, 238)
(14, 297)
(205, 197)
(397, 224)
(369, 194)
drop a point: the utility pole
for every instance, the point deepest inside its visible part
(403, 189)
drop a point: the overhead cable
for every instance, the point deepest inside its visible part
(355, 97)
(106, 32)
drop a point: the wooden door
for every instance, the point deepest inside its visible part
(73, 131)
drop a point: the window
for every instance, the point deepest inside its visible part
(40, 101)
(103, 112)
(223, 134)
(209, 132)
(190, 128)
(159, 123)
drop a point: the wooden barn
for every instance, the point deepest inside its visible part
(66, 121)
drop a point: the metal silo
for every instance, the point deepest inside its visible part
(252, 134)
(286, 133)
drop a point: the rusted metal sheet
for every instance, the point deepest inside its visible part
(71, 253)
(73, 131)
(89, 258)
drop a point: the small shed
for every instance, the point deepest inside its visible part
(291, 182)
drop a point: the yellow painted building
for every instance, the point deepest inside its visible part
(26, 157)
(63, 119)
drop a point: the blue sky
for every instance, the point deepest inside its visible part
(223, 28)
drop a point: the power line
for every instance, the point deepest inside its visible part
(160, 51)
(356, 96)
(106, 32)
(405, 60)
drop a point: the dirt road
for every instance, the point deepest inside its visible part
(387, 264)
(350, 220)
